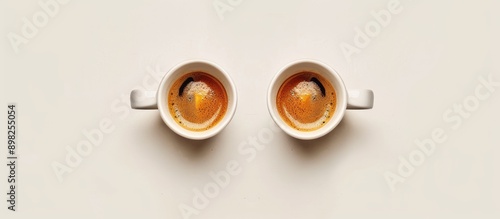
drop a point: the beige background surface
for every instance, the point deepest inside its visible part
(79, 68)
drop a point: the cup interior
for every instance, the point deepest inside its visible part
(311, 66)
(185, 68)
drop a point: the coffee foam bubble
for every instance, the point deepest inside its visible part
(198, 87)
(306, 88)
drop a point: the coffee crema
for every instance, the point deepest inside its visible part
(306, 101)
(197, 101)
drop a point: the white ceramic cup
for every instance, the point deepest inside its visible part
(140, 99)
(352, 99)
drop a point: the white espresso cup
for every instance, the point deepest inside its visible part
(352, 99)
(140, 99)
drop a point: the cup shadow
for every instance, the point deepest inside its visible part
(196, 150)
(332, 142)
(190, 149)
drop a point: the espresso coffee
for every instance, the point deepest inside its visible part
(197, 101)
(306, 101)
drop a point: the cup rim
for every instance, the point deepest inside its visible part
(197, 135)
(341, 93)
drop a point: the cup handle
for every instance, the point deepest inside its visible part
(360, 99)
(141, 99)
